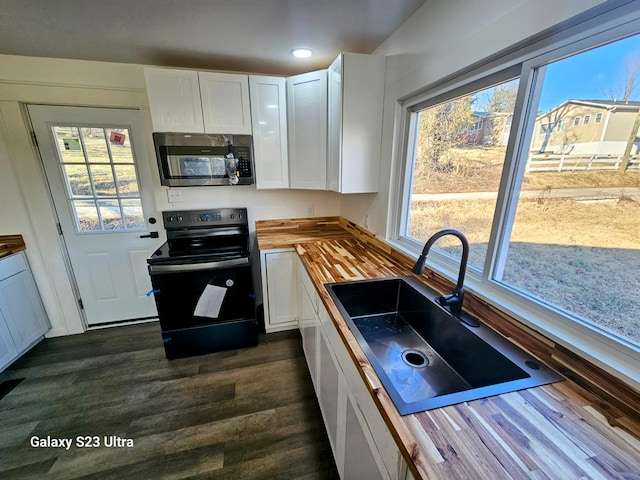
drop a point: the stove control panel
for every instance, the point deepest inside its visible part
(204, 218)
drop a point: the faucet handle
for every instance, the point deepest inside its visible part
(453, 301)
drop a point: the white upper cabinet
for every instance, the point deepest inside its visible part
(307, 127)
(356, 94)
(198, 102)
(225, 103)
(174, 100)
(269, 121)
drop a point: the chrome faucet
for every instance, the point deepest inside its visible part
(454, 300)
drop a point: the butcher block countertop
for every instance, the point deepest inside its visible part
(585, 427)
(274, 234)
(10, 244)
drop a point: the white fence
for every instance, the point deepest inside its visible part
(560, 163)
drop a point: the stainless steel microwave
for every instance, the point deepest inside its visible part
(192, 159)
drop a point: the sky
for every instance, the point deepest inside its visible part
(589, 75)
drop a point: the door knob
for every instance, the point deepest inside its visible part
(151, 235)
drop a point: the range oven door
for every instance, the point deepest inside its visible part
(231, 324)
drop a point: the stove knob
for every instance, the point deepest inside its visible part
(232, 216)
(169, 219)
(179, 218)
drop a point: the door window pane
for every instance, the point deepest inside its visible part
(103, 182)
(78, 180)
(575, 240)
(98, 163)
(70, 145)
(133, 216)
(458, 160)
(126, 180)
(111, 214)
(95, 145)
(86, 215)
(120, 145)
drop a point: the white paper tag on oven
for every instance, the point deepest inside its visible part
(210, 301)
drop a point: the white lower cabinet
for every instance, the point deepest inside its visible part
(8, 350)
(360, 459)
(23, 321)
(279, 289)
(328, 391)
(362, 444)
(309, 324)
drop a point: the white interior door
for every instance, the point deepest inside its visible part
(95, 162)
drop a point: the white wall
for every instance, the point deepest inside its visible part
(25, 206)
(436, 41)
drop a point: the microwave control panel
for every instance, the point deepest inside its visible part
(244, 164)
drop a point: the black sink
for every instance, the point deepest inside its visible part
(425, 357)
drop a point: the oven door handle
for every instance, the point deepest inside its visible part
(195, 267)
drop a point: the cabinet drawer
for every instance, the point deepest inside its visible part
(12, 265)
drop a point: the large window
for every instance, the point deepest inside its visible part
(550, 205)
(457, 166)
(575, 239)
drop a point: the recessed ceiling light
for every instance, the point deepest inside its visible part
(301, 52)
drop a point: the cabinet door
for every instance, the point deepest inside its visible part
(282, 290)
(7, 348)
(309, 324)
(23, 310)
(361, 459)
(329, 381)
(174, 100)
(307, 122)
(334, 128)
(356, 94)
(269, 121)
(361, 123)
(225, 103)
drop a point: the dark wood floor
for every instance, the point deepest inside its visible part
(241, 414)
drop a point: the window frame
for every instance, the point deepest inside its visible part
(597, 27)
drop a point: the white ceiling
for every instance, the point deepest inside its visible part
(238, 35)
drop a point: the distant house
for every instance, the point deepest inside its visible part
(585, 127)
(489, 128)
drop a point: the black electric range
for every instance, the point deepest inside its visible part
(202, 282)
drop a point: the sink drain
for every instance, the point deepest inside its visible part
(415, 358)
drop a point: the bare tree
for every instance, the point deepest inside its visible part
(624, 89)
(503, 101)
(623, 92)
(503, 98)
(441, 128)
